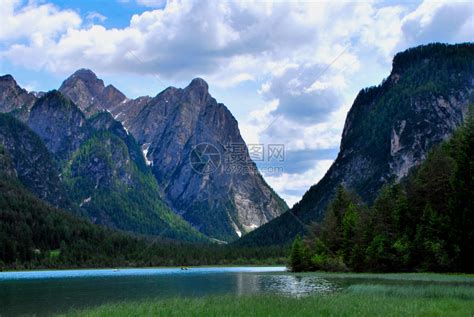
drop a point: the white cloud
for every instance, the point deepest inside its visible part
(95, 16)
(152, 3)
(437, 21)
(34, 21)
(289, 186)
(306, 60)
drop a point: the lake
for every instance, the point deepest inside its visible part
(46, 292)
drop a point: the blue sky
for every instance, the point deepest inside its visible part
(288, 71)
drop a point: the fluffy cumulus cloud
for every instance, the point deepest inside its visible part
(306, 60)
(300, 183)
(303, 95)
(435, 21)
(34, 22)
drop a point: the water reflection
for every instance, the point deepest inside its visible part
(45, 296)
(294, 285)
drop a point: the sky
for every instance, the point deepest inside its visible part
(288, 71)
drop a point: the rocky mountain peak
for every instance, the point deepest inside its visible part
(224, 204)
(86, 75)
(198, 83)
(89, 92)
(198, 90)
(7, 79)
(56, 99)
(13, 98)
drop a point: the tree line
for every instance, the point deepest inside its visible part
(423, 223)
(34, 234)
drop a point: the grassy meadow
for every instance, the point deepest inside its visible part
(359, 295)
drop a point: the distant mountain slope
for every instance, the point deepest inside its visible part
(60, 123)
(222, 204)
(31, 161)
(103, 172)
(35, 234)
(389, 129)
(117, 190)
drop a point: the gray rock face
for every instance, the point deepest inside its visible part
(59, 123)
(409, 145)
(89, 93)
(222, 204)
(102, 167)
(15, 99)
(30, 161)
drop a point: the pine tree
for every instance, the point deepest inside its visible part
(297, 255)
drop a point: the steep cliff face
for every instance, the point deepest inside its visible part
(30, 161)
(89, 93)
(14, 99)
(103, 173)
(223, 204)
(388, 131)
(60, 124)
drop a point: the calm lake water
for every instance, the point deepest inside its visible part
(43, 293)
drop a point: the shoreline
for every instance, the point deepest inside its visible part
(139, 268)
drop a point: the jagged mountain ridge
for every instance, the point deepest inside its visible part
(109, 184)
(388, 131)
(221, 205)
(89, 92)
(168, 126)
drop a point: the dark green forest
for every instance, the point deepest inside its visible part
(424, 223)
(35, 235)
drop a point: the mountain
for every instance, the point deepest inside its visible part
(103, 173)
(221, 203)
(14, 99)
(33, 234)
(423, 224)
(60, 123)
(111, 182)
(30, 161)
(89, 93)
(388, 131)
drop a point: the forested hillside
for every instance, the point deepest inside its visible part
(389, 130)
(36, 235)
(425, 223)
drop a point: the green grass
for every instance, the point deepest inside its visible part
(331, 305)
(447, 295)
(401, 277)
